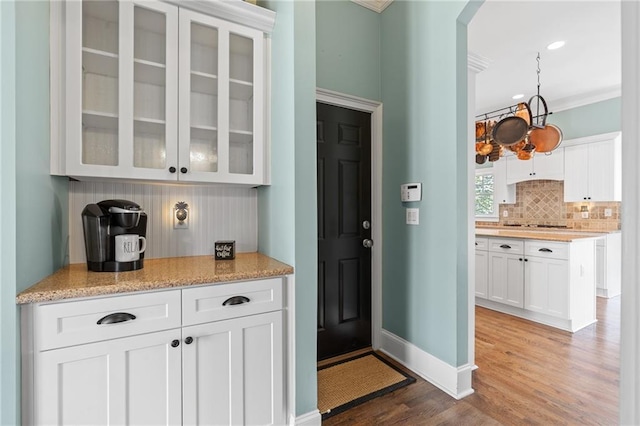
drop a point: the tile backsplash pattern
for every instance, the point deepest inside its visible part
(541, 202)
(216, 213)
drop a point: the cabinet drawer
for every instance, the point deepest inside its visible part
(76, 322)
(224, 301)
(506, 245)
(482, 243)
(547, 249)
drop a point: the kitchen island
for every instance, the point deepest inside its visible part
(184, 340)
(547, 276)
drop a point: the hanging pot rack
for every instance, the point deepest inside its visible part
(503, 112)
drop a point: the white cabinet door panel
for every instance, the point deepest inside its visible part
(549, 165)
(506, 278)
(482, 273)
(547, 286)
(233, 371)
(132, 380)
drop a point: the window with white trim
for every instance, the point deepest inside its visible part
(486, 202)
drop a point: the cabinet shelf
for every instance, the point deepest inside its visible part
(204, 83)
(149, 72)
(241, 90)
(100, 120)
(240, 136)
(99, 62)
(149, 125)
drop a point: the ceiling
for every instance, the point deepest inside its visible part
(506, 35)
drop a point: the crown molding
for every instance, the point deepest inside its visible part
(583, 99)
(477, 63)
(375, 5)
(238, 11)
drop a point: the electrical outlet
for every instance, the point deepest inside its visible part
(505, 213)
(607, 213)
(585, 215)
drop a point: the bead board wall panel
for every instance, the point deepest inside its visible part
(215, 213)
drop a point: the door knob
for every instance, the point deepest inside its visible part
(367, 243)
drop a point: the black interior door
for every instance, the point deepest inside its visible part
(344, 204)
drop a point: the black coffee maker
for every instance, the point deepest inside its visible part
(102, 223)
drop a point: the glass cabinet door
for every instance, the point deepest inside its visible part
(100, 83)
(217, 114)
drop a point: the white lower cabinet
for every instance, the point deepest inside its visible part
(233, 372)
(545, 281)
(505, 281)
(133, 380)
(158, 358)
(482, 267)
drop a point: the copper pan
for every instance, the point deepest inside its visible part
(546, 139)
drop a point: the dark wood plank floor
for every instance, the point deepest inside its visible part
(527, 374)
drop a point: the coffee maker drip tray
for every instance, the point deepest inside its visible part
(113, 266)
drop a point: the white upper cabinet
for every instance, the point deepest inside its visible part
(541, 166)
(148, 90)
(504, 194)
(593, 171)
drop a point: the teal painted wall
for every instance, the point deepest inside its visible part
(9, 376)
(42, 200)
(287, 209)
(424, 281)
(34, 221)
(348, 48)
(593, 119)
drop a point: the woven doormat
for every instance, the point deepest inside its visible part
(351, 382)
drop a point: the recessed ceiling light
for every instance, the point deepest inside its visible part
(555, 45)
(518, 96)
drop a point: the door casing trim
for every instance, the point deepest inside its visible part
(375, 109)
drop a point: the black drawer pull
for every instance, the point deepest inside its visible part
(117, 317)
(236, 300)
(546, 250)
(505, 246)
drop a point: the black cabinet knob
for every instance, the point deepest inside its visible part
(520, 259)
(183, 170)
(172, 169)
(175, 343)
(188, 340)
(526, 260)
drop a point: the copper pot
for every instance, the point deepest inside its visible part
(516, 147)
(485, 149)
(546, 139)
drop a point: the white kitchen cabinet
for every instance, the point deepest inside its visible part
(593, 171)
(233, 372)
(482, 267)
(545, 281)
(505, 282)
(547, 166)
(133, 380)
(152, 91)
(210, 354)
(608, 265)
(504, 194)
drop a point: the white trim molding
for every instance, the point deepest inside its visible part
(375, 108)
(238, 11)
(455, 381)
(312, 418)
(477, 63)
(375, 5)
(630, 312)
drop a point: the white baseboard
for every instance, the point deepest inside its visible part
(312, 418)
(456, 381)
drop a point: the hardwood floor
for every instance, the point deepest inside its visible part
(527, 374)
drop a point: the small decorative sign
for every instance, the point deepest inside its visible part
(225, 250)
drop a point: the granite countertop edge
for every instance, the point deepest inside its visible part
(74, 281)
(539, 234)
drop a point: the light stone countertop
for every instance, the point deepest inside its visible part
(563, 235)
(75, 280)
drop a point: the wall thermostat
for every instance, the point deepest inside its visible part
(410, 192)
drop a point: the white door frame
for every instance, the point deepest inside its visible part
(375, 109)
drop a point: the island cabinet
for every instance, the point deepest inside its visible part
(505, 282)
(542, 166)
(593, 171)
(203, 355)
(482, 267)
(549, 282)
(150, 90)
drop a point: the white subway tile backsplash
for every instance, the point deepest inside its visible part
(216, 213)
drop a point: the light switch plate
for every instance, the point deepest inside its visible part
(505, 213)
(413, 216)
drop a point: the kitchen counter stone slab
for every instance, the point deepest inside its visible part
(73, 281)
(538, 234)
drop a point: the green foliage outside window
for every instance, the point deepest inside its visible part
(484, 195)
